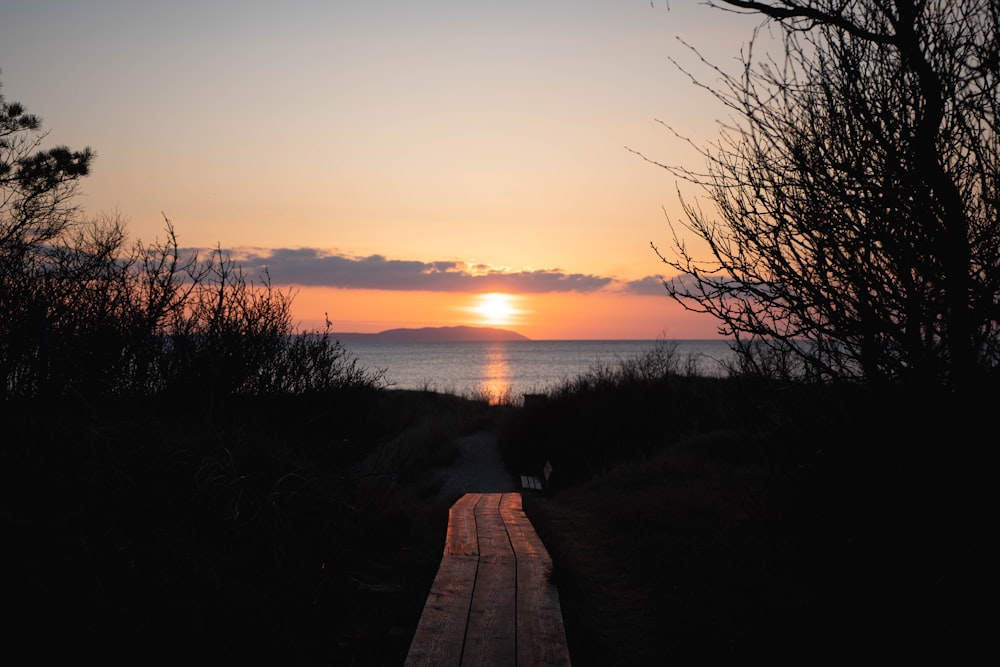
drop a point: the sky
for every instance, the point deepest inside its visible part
(395, 163)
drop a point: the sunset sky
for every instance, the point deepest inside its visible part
(393, 161)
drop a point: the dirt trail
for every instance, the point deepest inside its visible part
(479, 468)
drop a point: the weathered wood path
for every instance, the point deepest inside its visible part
(491, 602)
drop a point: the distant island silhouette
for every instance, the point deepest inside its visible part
(434, 334)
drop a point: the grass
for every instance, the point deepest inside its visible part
(785, 546)
(286, 530)
(689, 557)
(701, 520)
(691, 521)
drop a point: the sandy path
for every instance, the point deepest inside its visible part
(479, 468)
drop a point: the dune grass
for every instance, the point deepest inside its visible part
(700, 521)
(286, 530)
(691, 520)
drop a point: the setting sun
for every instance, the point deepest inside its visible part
(496, 308)
(509, 195)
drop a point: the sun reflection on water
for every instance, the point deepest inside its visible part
(496, 385)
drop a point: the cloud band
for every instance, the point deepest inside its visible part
(311, 267)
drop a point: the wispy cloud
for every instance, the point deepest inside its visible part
(308, 267)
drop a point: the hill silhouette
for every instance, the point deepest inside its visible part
(435, 334)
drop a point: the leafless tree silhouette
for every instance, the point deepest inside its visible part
(856, 228)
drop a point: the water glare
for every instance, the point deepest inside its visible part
(496, 371)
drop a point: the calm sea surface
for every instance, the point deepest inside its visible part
(512, 369)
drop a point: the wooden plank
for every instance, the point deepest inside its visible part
(529, 482)
(541, 636)
(461, 539)
(440, 635)
(490, 637)
(536, 483)
(524, 540)
(492, 601)
(490, 527)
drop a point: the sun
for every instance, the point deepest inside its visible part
(496, 308)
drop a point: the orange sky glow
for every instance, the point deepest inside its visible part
(391, 163)
(541, 317)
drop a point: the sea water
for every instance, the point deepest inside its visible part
(508, 370)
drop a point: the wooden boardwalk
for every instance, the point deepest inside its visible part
(491, 602)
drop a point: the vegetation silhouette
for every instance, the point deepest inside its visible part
(188, 477)
(698, 520)
(855, 220)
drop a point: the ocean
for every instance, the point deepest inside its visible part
(505, 371)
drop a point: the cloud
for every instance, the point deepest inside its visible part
(651, 285)
(308, 267)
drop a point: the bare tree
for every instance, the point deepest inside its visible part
(856, 227)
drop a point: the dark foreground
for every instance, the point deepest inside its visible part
(308, 532)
